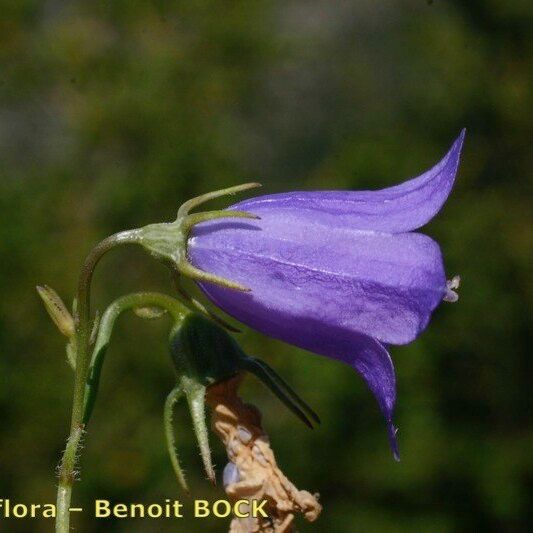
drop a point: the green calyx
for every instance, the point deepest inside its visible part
(167, 242)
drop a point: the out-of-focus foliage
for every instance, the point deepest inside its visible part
(113, 112)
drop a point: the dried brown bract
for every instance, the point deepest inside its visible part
(252, 473)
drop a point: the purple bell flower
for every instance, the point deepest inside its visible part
(338, 273)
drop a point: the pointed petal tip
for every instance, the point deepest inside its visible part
(454, 153)
(401, 208)
(430, 190)
(393, 431)
(458, 143)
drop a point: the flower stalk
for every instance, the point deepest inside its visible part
(148, 305)
(165, 242)
(83, 328)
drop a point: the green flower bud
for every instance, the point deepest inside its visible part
(203, 354)
(203, 351)
(57, 310)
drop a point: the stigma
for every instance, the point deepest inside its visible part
(451, 286)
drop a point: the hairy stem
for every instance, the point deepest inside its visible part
(83, 332)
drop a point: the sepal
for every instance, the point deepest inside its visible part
(167, 241)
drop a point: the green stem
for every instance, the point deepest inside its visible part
(83, 332)
(140, 299)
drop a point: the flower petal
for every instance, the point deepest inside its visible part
(381, 285)
(372, 361)
(396, 209)
(366, 355)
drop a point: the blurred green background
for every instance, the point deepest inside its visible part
(113, 112)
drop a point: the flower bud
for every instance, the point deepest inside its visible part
(204, 354)
(57, 310)
(203, 351)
